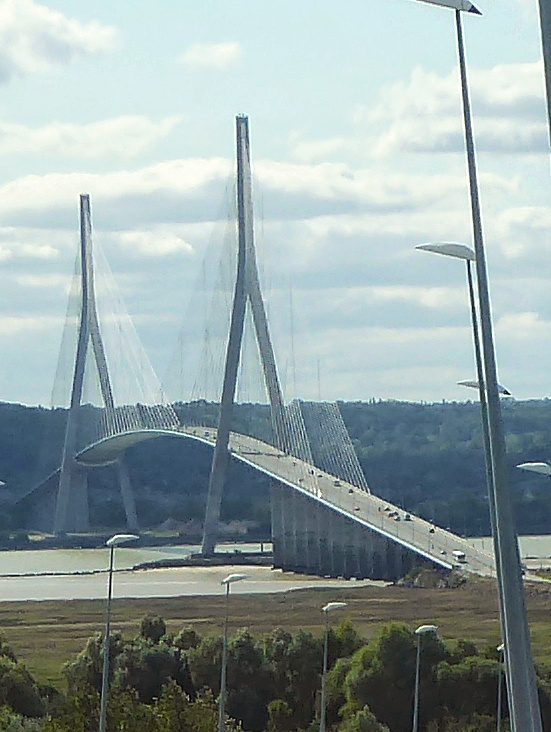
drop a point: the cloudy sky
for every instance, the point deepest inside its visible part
(358, 156)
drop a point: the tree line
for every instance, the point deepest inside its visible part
(427, 458)
(169, 682)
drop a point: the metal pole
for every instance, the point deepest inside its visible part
(106, 647)
(499, 690)
(523, 701)
(416, 697)
(222, 697)
(324, 675)
(545, 23)
(485, 435)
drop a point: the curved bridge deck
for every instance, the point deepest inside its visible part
(433, 544)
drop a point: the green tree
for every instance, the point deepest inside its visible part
(18, 689)
(280, 716)
(152, 628)
(363, 721)
(146, 667)
(249, 682)
(85, 671)
(186, 639)
(12, 722)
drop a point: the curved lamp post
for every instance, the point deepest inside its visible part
(326, 609)
(113, 542)
(421, 630)
(228, 581)
(523, 700)
(464, 252)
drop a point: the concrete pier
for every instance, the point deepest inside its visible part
(312, 538)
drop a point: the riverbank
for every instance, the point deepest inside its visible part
(46, 634)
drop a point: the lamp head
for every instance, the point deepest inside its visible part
(464, 5)
(231, 578)
(333, 606)
(424, 629)
(500, 648)
(449, 249)
(472, 384)
(541, 468)
(120, 539)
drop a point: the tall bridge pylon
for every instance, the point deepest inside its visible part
(247, 291)
(71, 508)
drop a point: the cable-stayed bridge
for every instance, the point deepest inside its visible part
(325, 520)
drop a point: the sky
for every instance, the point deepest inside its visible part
(357, 155)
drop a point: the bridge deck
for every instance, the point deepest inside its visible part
(418, 535)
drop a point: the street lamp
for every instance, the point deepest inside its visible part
(421, 630)
(326, 609)
(541, 468)
(501, 650)
(113, 542)
(476, 385)
(228, 581)
(523, 700)
(464, 252)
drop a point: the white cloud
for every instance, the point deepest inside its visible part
(122, 137)
(307, 151)
(192, 189)
(13, 324)
(43, 281)
(176, 188)
(429, 297)
(34, 37)
(25, 250)
(154, 243)
(212, 55)
(424, 113)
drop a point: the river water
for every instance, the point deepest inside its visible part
(28, 581)
(50, 574)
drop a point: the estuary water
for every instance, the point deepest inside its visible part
(52, 574)
(55, 574)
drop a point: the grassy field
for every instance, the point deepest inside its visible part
(46, 634)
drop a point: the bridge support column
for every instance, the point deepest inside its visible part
(127, 495)
(301, 546)
(323, 542)
(362, 544)
(77, 517)
(311, 525)
(289, 544)
(337, 543)
(349, 549)
(277, 524)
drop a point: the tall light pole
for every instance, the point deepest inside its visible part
(501, 650)
(228, 582)
(545, 24)
(326, 609)
(113, 542)
(421, 631)
(524, 708)
(462, 251)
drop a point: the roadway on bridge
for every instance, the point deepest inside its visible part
(416, 534)
(419, 535)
